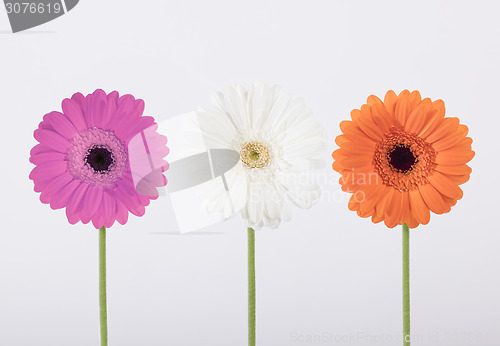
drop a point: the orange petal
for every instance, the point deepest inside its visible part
(352, 180)
(434, 118)
(449, 201)
(454, 157)
(372, 99)
(360, 214)
(411, 221)
(463, 129)
(414, 98)
(418, 116)
(390, 222)
(459, 179)
(355, 148)
(372, 197)
(390, 101)
(418, 207)
(355, 134)
(338, 154)
(395, 208)
(439, 108)
(355, 161)
(341, 139)
(337, 166)
(448, 141)
(405, 208)
(345, 123)
(455, 170)
(383, 205)
(433, 199)
(355, 114)
(382, 117)
(346, 188)
(402, 109)
(446, 127)
(376, 218)
(465, 143)
(366, 123)
(445, 185)
(353, 203)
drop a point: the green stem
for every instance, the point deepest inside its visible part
(251, 287)
(406, 285)
(102, 287)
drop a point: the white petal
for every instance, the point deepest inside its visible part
(296, 141)
(301, 189)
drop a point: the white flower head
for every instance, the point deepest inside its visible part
(279, 143)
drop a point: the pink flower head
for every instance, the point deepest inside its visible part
(83, 161)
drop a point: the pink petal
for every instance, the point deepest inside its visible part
(60, 124)
(52, 139)
(113, 96)
(75, 204)
(99, 107)
(109, 112)
(41, 185)
(73, 112)
(46, 157)
(125, 99)
(60, 199)
(95, 108)
(127, 185)
(44, 198)
(92, 202)
(121, 212)
(48, 170)
(78, 98)
(108, 209)
(54, 186)
(128, 199)
(87, 114)
(128, 115)
(121, 120)
(138, 108)
(98, 220)
(39, 148)
(142, 124)
(131, 199)
(139, 211)
(145, 188)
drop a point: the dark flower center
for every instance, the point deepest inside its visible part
(402, 159)
(100, 159)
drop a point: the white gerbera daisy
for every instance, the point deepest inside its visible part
(278, 141)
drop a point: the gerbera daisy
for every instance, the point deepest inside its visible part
(402, 158)
(83, 163)
(83, 159)
(278, 140)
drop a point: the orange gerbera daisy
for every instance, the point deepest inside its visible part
(402, 158)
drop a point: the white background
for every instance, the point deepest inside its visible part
(326, 271)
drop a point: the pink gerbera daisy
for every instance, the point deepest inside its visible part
(83, 161)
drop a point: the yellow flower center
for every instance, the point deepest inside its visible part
(254, 154)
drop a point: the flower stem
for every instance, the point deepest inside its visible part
(102, 287)
(251, 287)
(406, 285)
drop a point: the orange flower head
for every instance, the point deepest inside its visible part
(402, 158)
